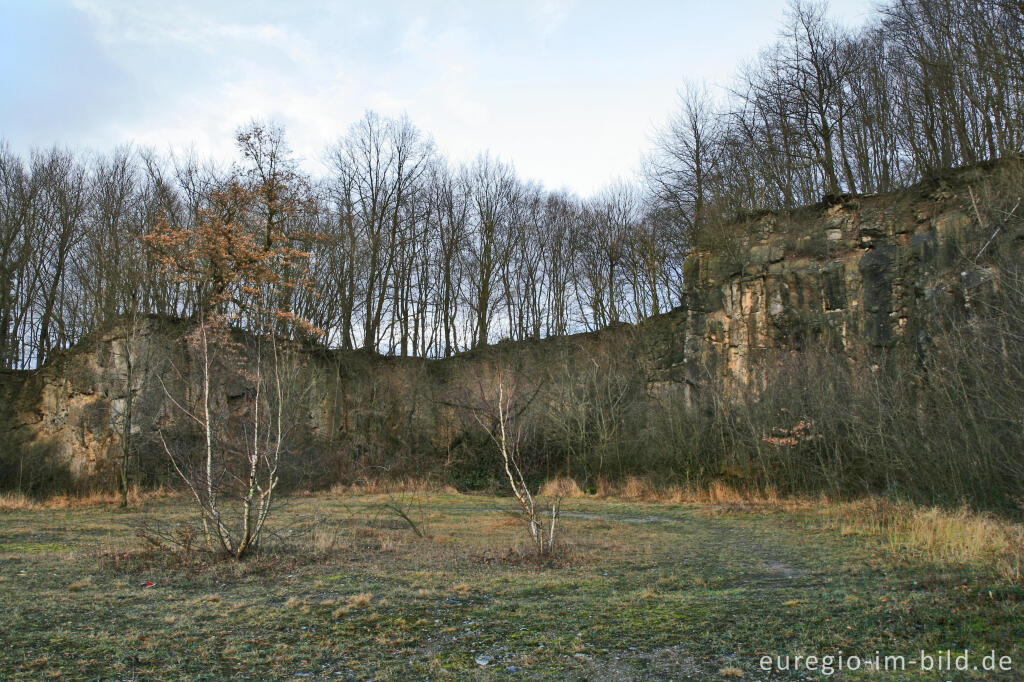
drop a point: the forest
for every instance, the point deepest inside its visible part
(405, 253)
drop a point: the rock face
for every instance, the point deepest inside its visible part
(859, 276)
(61, 425)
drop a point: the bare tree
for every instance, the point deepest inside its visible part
(136, 364)
(499, 416)
(386, 159)
(493, 189)
(66, 189)
(19, 202)
(817, 65)
(451, 224)
(559, 246)
(682, 169)
(610, 219)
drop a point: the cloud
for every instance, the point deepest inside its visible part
(547, 16)
(566, 90)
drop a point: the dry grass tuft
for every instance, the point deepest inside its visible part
(959, 536)
(562, 486)
(730, 671)
(380, 486)
(360, 601)
(636, 488)
(14, 501)
(719, 493)
(80, 585)
(10, 502)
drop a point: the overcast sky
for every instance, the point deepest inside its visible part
(570, 92)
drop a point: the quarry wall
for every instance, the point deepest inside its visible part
(857, 275)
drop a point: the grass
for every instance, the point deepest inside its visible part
(949, 537)
(640, 489)
(639, 590)
(14, 501)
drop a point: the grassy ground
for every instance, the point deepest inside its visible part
(640, 591)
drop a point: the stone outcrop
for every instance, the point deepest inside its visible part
(858, 275)
(62, 422)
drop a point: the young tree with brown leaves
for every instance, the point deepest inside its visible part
(245, 267)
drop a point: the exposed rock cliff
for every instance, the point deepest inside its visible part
(61, 425)
(858, 275)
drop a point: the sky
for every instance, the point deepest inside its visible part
(569, 91)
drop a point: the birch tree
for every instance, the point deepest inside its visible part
(246, 267)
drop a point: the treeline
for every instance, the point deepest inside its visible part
(407, 253)
(926, 85)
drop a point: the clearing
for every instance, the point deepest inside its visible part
(639, 591)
